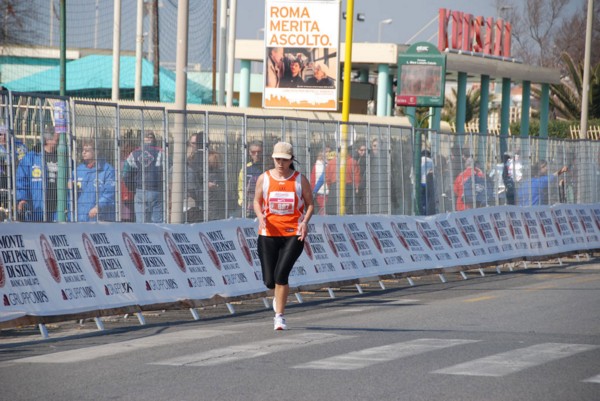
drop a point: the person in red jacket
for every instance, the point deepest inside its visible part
(352, 178)
(459, 184)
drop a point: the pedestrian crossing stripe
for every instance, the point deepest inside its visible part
(257, 349)
(516, 360)
(595, 379)
(99, 351)
(370, 356)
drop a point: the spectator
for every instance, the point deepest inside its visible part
(294, 79)
(317, 182)
(352, 180)
(37, 185)
(143, 169)
(427, 191)
(95, 187)
(194, 179)
(535, 190)
(459, 183)
(454, 166)
(321, 77)
(253, 170)
(515, 167)
(378, 179)
(9, 160)
(275, 67)
(361, 161)
(127, 195)
(508, 179)
(216, 187)
(19, 150)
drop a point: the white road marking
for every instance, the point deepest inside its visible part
(516, 360)
(403, 301)
(99, 351)
(370, 356)
(595, 379)
(252, 350)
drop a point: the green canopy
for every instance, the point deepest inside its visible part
(91, 77)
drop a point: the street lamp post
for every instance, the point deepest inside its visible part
(381, 24)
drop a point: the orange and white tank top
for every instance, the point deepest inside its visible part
(283, 205)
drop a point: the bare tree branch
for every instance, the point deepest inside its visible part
(17, 22)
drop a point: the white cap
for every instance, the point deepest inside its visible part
(283, 150)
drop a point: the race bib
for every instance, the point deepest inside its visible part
(281, 202)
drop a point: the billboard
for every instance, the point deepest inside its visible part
(421, 76)
(301, 67)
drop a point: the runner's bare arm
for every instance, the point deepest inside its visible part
(258, 202)
(307, 196)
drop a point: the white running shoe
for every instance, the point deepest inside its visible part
(279, 323)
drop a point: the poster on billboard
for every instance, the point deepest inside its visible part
(301, 67)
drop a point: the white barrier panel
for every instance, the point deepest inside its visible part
(61, 269)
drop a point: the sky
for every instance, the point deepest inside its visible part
(90, 23)
(408, 17)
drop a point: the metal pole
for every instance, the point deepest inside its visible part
(180, 106)
(383, 71)
(116, 67)
(525, 102)
(155, 47)
(139, 40)
(244, 83)
(96, 25)
(505, 115)
(231, 51)
(544, 116)
(461, 102)
(585, 95)
(214, 53)
(416, 128)
(346, 104)
(586, 71)
(222, 52)
(63, 46)
(61, 182)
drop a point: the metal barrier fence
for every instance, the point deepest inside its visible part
(149, 164)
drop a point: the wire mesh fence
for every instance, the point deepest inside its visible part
(143, 164)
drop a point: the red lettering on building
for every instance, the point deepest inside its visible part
(463, 31)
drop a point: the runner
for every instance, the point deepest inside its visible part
(283, 204)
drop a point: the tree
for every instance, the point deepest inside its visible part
(534, 25)
(570, 37)
(472, 109)
(18, 19)
(566, 97)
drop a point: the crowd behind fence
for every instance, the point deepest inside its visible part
(148, 164)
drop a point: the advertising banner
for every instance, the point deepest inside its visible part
(69, 268)
(301, 67)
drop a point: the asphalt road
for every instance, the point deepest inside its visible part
(530, 334)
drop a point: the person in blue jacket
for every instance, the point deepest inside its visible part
(37, 176)
(95, 186)
(535, 190)
(9, 160)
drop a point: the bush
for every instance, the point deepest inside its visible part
(556, 128)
